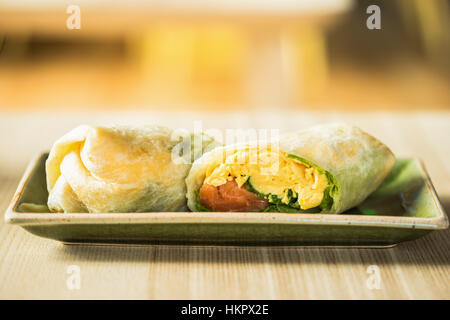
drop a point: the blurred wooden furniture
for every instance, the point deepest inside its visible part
(36, 268)
(430, 22)
(166, 58)
(284, 38)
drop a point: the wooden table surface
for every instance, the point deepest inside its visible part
(33, 267)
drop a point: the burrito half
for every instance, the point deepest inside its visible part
(328, 168)
(119, 169)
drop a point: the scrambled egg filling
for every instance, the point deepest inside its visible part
(271, 173)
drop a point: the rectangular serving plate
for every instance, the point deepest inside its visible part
(405, 207)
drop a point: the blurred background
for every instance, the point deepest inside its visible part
(224, 55)
(284, 64)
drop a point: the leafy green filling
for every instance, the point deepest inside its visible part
(287, 209)
(330, 191)
(199, 206)
(276, 205)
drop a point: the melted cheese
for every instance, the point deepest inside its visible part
(271, 172)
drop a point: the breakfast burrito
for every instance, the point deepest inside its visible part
(120, 169)
(328, 168)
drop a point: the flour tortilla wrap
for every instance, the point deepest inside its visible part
(118, 169)
(354, 162)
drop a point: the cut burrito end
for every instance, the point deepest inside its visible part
(273, 181)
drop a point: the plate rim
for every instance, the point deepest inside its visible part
(439, 222)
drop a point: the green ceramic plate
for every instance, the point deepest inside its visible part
(405, 207)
